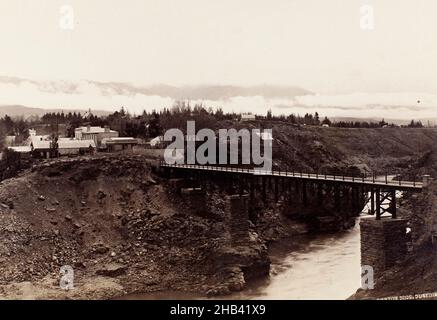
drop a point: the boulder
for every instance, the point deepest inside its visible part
(112, 270)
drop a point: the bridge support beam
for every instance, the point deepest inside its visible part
(372, 202)
(378, 204)
(264, 194)
(383, 243)
(276, 190)
(239, 218)
(393, 204)
(195, 200)
(304, 193)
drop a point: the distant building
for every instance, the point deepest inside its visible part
(66, 146)
(247, 117)
(118, 144)
(41, 148)
(75, 147)
(24, 151)
(21, 149)
(157, 141)
(325, 125)
(97, 134)
(10, 141)
(35, 138)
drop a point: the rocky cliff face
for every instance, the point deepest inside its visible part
(122, 230)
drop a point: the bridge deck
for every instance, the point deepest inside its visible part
(371, 182)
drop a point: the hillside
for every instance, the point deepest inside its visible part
(357, 151)
(119, 227)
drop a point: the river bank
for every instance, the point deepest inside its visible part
(121, 229)
(415, 276)
(302, 267)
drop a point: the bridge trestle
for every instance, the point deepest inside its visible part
(303, 190)
(382, 202)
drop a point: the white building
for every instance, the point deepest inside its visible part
(157, 141)
(68, 146)
(97, 134)
(119, 144)
(10, 141)
(247, 117)
(21, 149)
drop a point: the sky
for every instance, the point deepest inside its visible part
(317, 45)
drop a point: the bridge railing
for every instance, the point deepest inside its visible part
(370, 180)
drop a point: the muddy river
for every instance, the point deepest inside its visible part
(305, 267)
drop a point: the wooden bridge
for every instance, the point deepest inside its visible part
(380, 194)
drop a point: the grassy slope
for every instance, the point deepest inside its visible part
(320, 149)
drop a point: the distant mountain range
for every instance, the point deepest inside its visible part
(204, 92)
(18, 111)
(432, 121)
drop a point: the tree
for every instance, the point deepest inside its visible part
(415, 124)
(316, 119)
(7, 125)
(10, 164)
(154, 128)
(382, 123)
(326, 121)
(54, 146)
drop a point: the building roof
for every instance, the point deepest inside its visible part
(65, 143)
(41, 144)
(93, 130)
(120, 140)
(10, 140)
(247, 116)
(21, 149)
(39, 138)
(156, 141)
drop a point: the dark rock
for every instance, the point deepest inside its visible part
(112, 270)
(101, 195)
(101, 249)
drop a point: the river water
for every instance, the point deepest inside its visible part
(305, 267)
(311, 267)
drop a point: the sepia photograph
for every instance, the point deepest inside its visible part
(226, 157)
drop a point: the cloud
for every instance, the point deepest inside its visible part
(258, 99)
